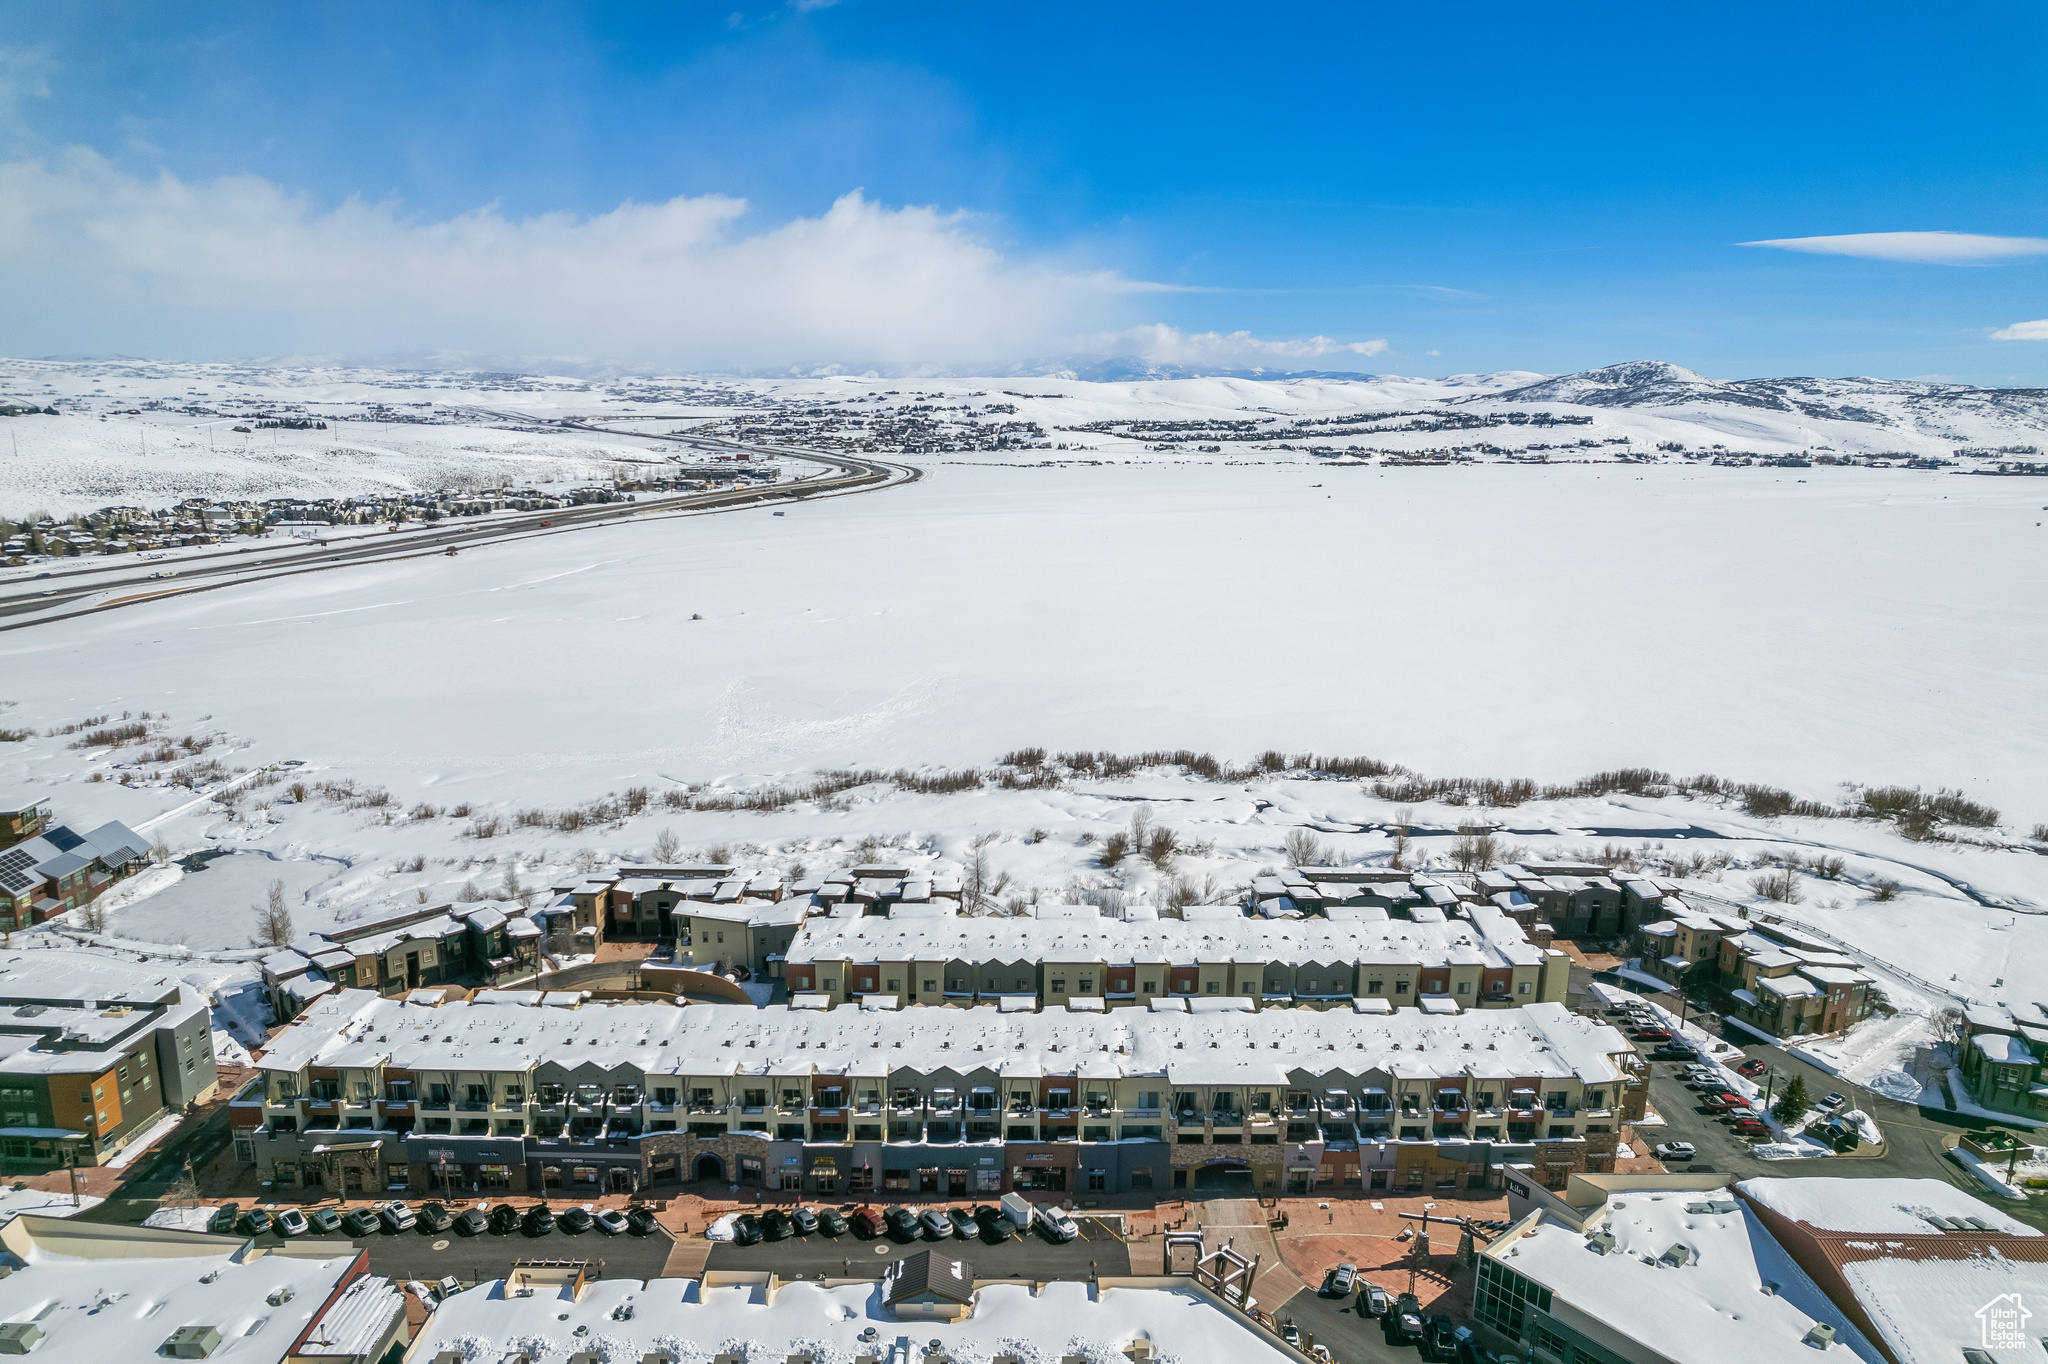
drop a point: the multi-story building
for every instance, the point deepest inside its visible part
(23, 819)
(93, 1052)
(363, 1093)
(1687, 945)
(1065, 954)
(482, 941)
(1780, 984)
(59, 869)
(2004, 1055)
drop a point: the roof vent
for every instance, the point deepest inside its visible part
(1820, 1337)
(1677, 1257)
(192, 1342)
(1602, 1241)
(19, 1337)
(281, 1296)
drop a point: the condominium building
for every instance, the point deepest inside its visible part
(93, 1053)
(56, 868)
(362, 1093)
(1062, 955)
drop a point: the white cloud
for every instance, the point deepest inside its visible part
(2023, 331)
(1923, 248)
(1163, 344)
(99, 259)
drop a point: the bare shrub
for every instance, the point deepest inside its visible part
(1782, 886)
(424, 811)
(1404, 819)
(1114, 847)
(1304, 849)
(469, 894)
(1884, 890)
(1827, 867)
(1162, 847)
(667, 847)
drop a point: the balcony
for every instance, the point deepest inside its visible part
(1227, 1117)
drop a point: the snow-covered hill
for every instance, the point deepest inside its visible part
(151, 433)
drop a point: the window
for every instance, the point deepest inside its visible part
(894, 986)
(1373, 987)
(1149, 987)
(1059, 985)
(1400, 987)
(1098, 1181)
(1212, 987)
(1523, 988)
(397, 1176)
(1464, 987)
(831, 983)
(930, 986)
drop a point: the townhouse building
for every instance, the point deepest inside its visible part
(1786, 986)
(484, 941)
(2004, 1058)
(507, 1094)
(93, 1053)
(58, 869)
(22, 819)
(1686, 945)
(1070, 955)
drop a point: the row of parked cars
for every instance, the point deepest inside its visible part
(395, 1216)
(1400, 1316)
(994, 1225)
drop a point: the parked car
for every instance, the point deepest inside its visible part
(1676, 1051)
(832, 1222)
(867, 1223)
(291, 1222)
(1676, 1150)
(1405, 1320)
(539, 1220)
(1745, 1125)
(224, 1218)
(1752, 1067)
(1831, 1102)
(1290, 1333)
(1653, 1035)
(1374, 1301)
(746, 1230)
(641, 1220)
(1443, 1336)
(903, 1224)
(360, 1221)
(774, 1224)
(995, 1228)
(256, 1221)
(936, 1224)
(434, 1217)
(505, 1219)
(1715, 1101)
(396, 1217)
(325, 1221)
(1347, 1279)
(1056, 1224)
(803, 1220)
(575, 1221)
(470, 1222)
(964, 1225)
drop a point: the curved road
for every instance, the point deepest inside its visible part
(110, 585)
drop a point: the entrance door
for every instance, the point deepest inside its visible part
(412, 970)
(956, 1183)
(1379, 1179)
(623, 1180)
(710, 1167)
(928, 1181)
(352, 1179)
(1233, 1177)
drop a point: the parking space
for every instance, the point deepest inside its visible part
(1349, 1335)
(1097, 1251)
(429, 1256)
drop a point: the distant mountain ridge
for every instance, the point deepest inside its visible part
(1654, 383)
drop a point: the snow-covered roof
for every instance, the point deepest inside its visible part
(1927, 1310)
(1231, 937)
(357, 1029)
(86, 976)
(1875, 1206)
(260, 1302)
(1685, 1281)
(1043, 1323)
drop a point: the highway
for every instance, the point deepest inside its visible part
(108, 583)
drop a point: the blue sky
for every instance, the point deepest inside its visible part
(1411, 189)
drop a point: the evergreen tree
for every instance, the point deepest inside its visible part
(1793, 1103)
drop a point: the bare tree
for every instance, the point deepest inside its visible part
(469, 894)
(1403, 818)
(1475, 851)
(512, 886)
(1948, 1027)
(1304, 849)
(1114, 847)
(1162, 846)
(92, 917)
(667, 847)
(273, 919)
(1141, 826)
(160, 851)
(978, 883)
(1781, 886)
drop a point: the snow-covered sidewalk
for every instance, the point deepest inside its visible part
(157, 1132)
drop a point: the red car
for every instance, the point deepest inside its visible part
(1652, 1035)
(1751, 1067)
(1749, 1126)
(867, 1223)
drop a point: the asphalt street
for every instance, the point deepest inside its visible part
(102, 584)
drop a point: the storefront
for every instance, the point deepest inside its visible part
(967, 1170)
(444, 1165)
(1043, 1167)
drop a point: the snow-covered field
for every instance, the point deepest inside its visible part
(1799, 627)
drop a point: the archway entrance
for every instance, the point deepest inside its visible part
(1229, 1178)
(709, 1167)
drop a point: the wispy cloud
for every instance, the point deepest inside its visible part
(691, 281)
(2023, 331)
(1921, 248)
(1163, 344)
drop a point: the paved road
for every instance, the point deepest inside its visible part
(1352, 1338)
(1031, 1257)
(100, 584)
(1913, 1135)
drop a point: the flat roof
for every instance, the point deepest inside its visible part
(355, 1028)
(1875, 1206)
(1063, 1317)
